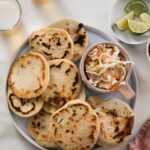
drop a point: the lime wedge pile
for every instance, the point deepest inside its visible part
(136, 9)
(122, 24)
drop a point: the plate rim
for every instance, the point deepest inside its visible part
(115, 35)
(147, 50)
(18, 52)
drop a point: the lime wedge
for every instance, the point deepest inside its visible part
(144, 17)
(137, 27)
(138, 6)
(122, 23)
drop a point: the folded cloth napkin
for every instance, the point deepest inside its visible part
(142, 140)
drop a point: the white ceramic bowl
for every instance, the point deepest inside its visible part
(148, 50)
(126, 36)
(124, 89)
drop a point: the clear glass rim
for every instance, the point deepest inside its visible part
(19, 19)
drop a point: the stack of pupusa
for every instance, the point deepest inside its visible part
(44, 83)
(79, 125)
(44, 79)
(28, 79)
(60, 43)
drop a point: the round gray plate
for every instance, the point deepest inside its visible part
(94, 37)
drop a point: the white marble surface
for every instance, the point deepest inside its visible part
(91, 12)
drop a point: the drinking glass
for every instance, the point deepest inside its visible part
(10, 15)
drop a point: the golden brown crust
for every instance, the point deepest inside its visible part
(78, 34)
(82, 94)
(70, 123)
(24, 107)
(29, 75)
(52, 43)
(65, 83)
(38, 127)
(116, 122)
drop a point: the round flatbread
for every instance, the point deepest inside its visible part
(39, 129)
(24, 107)
(75, 126)
(29, 75)
(116, 122)
(52, 43)
(65, 82)
(77, 33)
(82, 94)
(52, 106)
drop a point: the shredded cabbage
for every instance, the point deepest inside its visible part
(104, 67)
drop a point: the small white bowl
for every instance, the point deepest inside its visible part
(124, 89)
(148, 50)
(126, 36)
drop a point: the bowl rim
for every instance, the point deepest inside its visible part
(81, 66)
(147, 50)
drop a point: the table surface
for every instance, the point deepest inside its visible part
(92, 12)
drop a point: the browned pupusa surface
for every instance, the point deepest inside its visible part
(65, 82)
(39, 129)
(75, 126)
(24, 107)
(82, 94)
(52, 43)
(78, 34)
(95, 101)
(52, 106)
(116, 120)
(29, 75)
